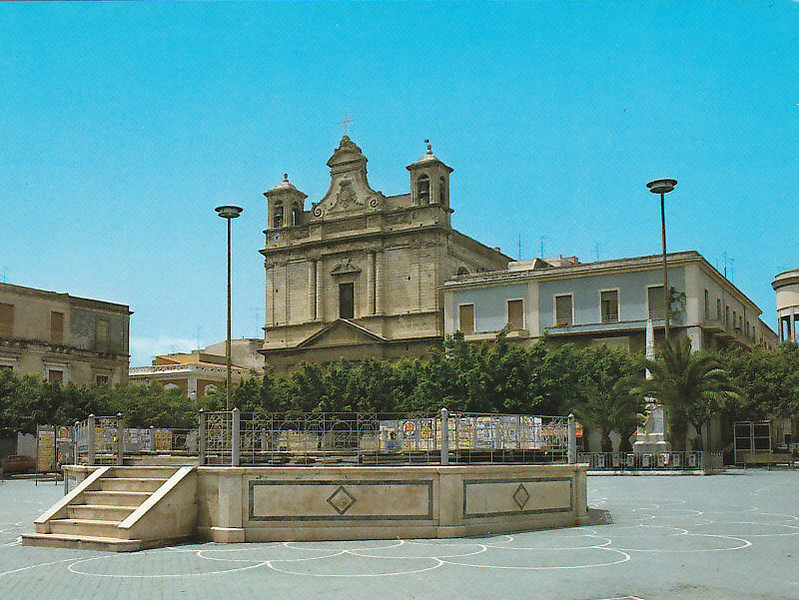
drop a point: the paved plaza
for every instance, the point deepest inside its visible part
(727, 536)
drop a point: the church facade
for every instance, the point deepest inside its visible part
(358, 274)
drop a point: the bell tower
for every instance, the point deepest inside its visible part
(430, 182)
(285, 205)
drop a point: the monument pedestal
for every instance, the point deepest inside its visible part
(653, 437)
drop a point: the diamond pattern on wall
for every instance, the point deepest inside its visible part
(341, 500)
(521, 496)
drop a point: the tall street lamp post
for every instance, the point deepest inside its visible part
(229, 213)
(663, 187)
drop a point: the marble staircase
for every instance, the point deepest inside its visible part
(122, 509)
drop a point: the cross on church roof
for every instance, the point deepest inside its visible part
(346, 123)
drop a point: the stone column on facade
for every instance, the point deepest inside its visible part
(311, 294)
(370, 283)
(379, 257)
(320, 313)
(284, 292)
(419, 275)
(269, 316)
(792, 325)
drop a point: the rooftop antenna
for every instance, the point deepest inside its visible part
(5, 273)
(596, 251)
(257, 310)
(725, 263)
(198, 338)
(732, 269)
(543, 237)
(520, 246)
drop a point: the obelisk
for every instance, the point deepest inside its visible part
(653, 436)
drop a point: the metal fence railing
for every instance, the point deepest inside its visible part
(230, 437)
(97, 440)
(651, 461)
(234, 438)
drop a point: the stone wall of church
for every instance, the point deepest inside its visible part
(392, 253)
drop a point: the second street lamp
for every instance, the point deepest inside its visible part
(229, 213)
(663, 187)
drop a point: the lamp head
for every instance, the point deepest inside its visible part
(229, 212)
(661, 186)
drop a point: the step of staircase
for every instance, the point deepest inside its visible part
(88, 542)
(132, 484)
(87, 527)
(157, 471)
(115, 498)
(100, 512)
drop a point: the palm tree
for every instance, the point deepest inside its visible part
(692, 386)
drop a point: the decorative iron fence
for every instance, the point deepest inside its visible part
(651, 461)
(97, 440)
(233, 438)
(230, 437)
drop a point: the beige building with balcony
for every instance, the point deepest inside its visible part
(63, 338)
(358, 274)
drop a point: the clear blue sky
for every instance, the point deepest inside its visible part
(122, 125)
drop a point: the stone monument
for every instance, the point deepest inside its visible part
(652, 437)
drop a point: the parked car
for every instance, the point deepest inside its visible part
(17, 463)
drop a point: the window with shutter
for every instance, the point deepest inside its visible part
(609, 306)
(6, 320)
(516, 314)
(563, 311)
(466, 318)
(57, 327)
(655, 299)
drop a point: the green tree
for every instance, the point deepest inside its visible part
(692, 386)
(768, 381)
(607, 398)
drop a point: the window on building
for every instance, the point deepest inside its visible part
(727, 316)
(747, 329)
(516, 314)
(101, 380)
(346, 300)
(6, 320)
(466, 318)
(609, 306)
(563, 311)
(423, 189)
(734, 319)
(655, 301)
(707, 304)
(442, 191)
(718, 309)
(55, 376)
(295, 214)
(101, 333)
(277, 215)
(57, 327)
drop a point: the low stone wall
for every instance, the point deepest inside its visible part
(311, 503)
